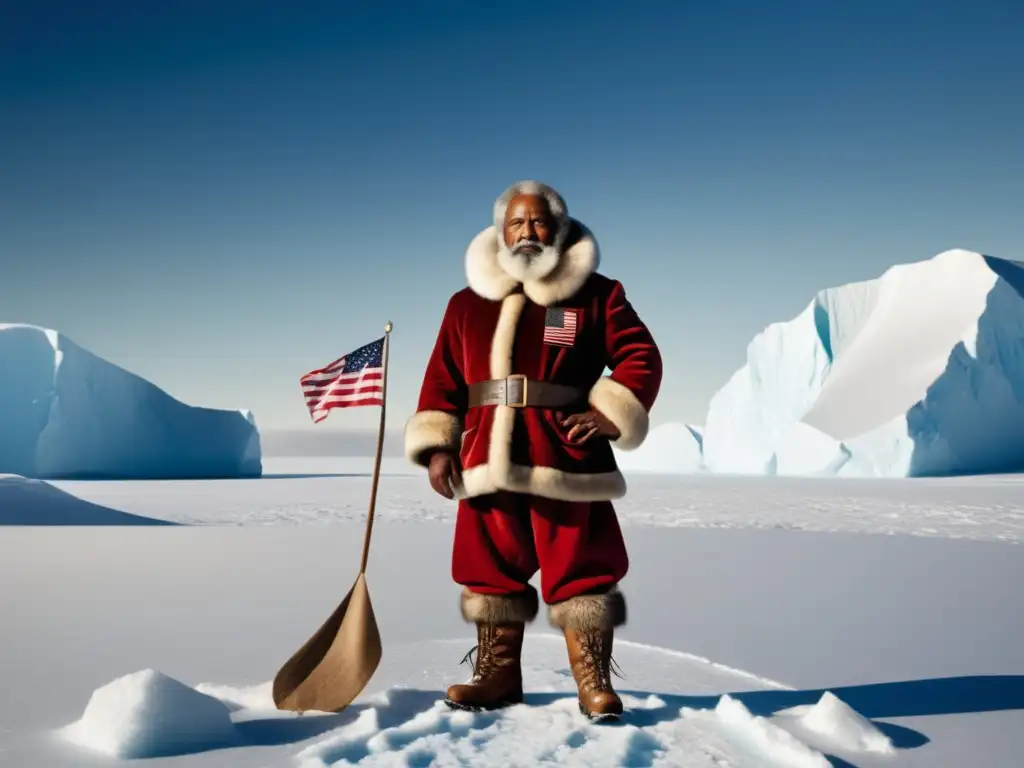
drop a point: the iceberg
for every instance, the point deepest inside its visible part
(67, 414)
(670, 449)
(919, 372)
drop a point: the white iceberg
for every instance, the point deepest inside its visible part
(919, 372)
(669, 449)
(66, 413)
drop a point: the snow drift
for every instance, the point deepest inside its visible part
(66, 413)
(148, 714)
(24, 501)
(919, 372)
(847, 728)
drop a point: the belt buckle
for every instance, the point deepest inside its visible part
(516, 377)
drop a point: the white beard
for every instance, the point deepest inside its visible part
(529, 267)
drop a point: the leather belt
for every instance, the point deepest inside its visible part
(517, 391)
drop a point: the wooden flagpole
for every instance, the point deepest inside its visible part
(380, 448)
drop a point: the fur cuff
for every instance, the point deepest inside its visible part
(590, 613)
(499, 609)
(428, 430)
(623, 409)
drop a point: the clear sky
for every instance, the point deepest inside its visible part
(221, 199)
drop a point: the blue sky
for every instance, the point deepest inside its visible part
(221, 199)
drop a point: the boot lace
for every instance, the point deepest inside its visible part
(481, 655)
(598, 663)
(480, 660)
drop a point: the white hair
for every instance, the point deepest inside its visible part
(556, 204)
(538, 266)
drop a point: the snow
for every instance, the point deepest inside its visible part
(833, 718)
(918, 372)
(148, 714)
(748, 645)
(409, 725)
(767, 738)
(669, 449)
(64, 412)
(26, 501)
(322, 491)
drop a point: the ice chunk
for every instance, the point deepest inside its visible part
(918, 372)
(803, 450)
(671, 448)
(147, 714)
(66, 413)
(846, 728)
(786, 365)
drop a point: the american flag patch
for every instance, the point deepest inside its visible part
(560, 326)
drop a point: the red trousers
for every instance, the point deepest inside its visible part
(502, 539)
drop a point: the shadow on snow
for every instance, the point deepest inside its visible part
(910, 698)
(37, 503)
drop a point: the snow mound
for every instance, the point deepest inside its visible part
(918, 372)
(843, 726)
(669, 449)
(761, 734)
(147, 714)
(66, 413)
(25, 501)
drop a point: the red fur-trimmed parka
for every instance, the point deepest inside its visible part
(495, 328)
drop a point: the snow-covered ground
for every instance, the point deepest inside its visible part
(745, 647)
(319, 490)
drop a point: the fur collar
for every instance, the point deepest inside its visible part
(487, 278)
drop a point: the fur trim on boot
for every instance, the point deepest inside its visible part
(478, 608)
(590, 613)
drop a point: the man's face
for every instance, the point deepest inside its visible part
(529, 225)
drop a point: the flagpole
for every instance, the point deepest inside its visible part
(380, 448)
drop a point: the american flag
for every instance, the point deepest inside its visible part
(353, 380)
(560, 327)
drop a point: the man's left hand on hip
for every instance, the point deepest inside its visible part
(590, 424)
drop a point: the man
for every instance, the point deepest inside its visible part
(517, 420)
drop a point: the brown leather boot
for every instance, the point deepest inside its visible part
(497, 674)
(588, 622)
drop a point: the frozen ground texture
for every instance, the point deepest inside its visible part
(322, 491)
(918, 372)
(749, 649)
(64, 412)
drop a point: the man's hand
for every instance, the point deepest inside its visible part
(444, 472)
(585, 426)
